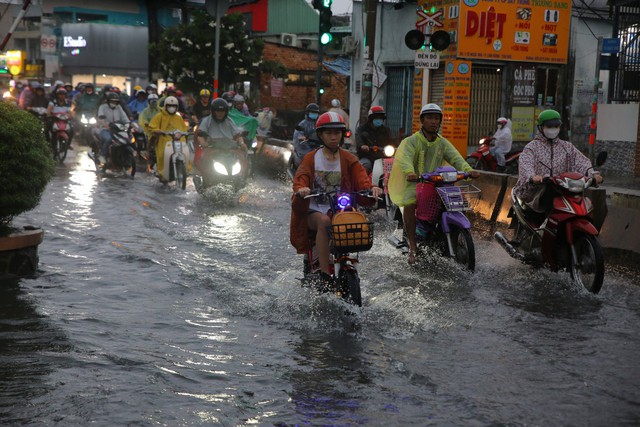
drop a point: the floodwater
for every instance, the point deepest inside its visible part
(156, 307)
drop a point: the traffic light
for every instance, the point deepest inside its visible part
(324, 7)
(415, 39)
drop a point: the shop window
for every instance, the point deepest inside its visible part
(306, 78)
(546, 86)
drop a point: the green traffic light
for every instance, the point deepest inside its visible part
(321, 91)
(326, 38)
(327, 3)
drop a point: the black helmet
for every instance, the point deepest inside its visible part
(312, 108)
(113, 97)
(227, 96)
(219, 104)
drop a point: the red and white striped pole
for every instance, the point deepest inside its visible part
(23, 11)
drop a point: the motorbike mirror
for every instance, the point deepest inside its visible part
(601, 158)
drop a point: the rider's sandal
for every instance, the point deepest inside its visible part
(411, 259)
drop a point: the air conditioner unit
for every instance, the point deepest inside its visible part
(349, 45)
(288, 39)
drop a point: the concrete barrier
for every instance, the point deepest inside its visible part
(617, 217)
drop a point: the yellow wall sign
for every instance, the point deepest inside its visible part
(456, 104)
(15, 59)
(510, 30)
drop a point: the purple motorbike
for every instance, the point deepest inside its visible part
(440, 215)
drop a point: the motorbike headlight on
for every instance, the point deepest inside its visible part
(236, 168)
(389, 150)
(287, 155)
(449, 176)
(574, 185)
(343, 201)
(92, 121)
(254, 144)
(84, 120)
(219, 168)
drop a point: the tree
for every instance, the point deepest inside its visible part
(26, 163)
(185, 53)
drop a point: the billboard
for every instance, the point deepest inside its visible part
(525, 31)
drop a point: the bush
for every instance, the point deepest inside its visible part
(26, 162)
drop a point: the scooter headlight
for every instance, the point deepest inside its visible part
(389, 150)
(343, 201)
(286, 154)
(254, 144)
(84, 120)
(236, 168)
(574, 185)
(219, 168)
(92, 121)
(449, 176)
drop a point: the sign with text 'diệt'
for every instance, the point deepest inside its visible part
(427, 59)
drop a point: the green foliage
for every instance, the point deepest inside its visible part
(275, 68)
(26, 162)
(186, 52)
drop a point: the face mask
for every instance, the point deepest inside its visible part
(113, 105)
(313, 116)
(377, 122)
(171, 110)
(551, 133)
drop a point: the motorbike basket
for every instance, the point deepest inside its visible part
(458, 198)
(351, 232)
(428, 203)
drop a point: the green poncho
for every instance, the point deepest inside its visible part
(247, 123)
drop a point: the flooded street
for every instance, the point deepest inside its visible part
(155, 307)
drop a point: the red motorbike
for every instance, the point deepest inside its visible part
(482, 159)
(59, 135)
(562, 239)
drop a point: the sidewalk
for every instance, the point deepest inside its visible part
(617, 184)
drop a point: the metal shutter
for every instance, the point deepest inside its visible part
(399, 96)
(486, 93)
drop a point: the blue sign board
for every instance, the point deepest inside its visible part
(611, 45)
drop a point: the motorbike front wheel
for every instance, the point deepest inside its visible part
(181, 175)
(587, 268)
(62, 145)
(350, 287)
(464, 252)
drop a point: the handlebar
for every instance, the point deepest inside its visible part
(447, 176)
(318, 193)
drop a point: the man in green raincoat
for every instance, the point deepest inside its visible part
(420, 153)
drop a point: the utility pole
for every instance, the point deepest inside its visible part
(371, 11)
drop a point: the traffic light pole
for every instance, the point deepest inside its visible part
(319, 71)
(371, 10)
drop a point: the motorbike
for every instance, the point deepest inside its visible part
(482, 159)
(380, 175)
(221, 161)
(59, 135)
(350, 234)
(177, 158)
(121, 151)
(562, 239)
(440, 218)
(85, 129)
(140, 140)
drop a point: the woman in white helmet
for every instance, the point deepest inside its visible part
(420, 153)
(502, 142)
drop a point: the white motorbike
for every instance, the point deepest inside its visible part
(177, 158)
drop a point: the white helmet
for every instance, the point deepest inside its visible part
(335, 103)
(502, 120)
(430, 109)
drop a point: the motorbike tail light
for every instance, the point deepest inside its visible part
(348, 134)
(343, 201)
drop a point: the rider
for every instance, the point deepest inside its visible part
(166, 121)
(149, 113)
(108, 113)
(548, 155)
(38, 99)
(240, 105)
(139, 103)
(202, 108)
(219, 127)
(86, 102)
(421, 153)
(60, 104)
(306, 129)
(502, 142)
(373, 133)
(327, 168)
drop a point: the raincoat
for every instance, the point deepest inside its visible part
(561, 156)
(353, 178)
(166, 122)
(418, 155)
(247, 123)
